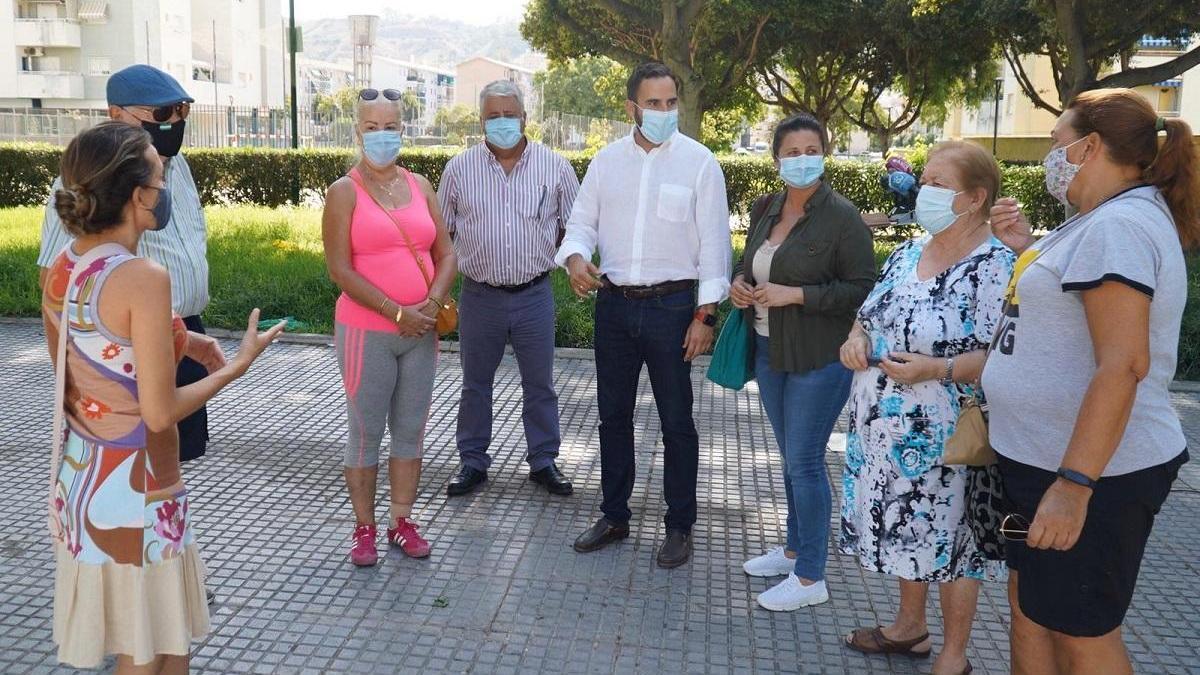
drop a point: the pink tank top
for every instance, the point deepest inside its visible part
(380, 255)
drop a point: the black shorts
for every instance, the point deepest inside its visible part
(193, 429)
(1085, 591)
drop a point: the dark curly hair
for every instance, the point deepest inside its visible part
(100, 169)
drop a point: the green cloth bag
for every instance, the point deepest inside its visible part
(730, 366)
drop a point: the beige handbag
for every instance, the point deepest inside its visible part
(969, 444)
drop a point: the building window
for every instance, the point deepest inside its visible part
(99, 65)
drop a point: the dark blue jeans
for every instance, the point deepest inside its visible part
(193, 429)
(629, 333)
(802, 409)
(489, 319)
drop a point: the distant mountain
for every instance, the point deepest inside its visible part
(430, 41)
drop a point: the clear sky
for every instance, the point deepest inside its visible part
(471, 11)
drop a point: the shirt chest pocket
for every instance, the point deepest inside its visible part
(531, 201)
(674, 202)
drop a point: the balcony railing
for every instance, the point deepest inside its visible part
(46, 33)
(49, 84)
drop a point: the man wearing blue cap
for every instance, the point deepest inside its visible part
(144, 96)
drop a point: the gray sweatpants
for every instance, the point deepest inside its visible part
(388, 381)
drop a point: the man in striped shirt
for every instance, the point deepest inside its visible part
(146, 97)
(505, 202)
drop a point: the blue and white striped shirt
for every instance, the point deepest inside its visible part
(506, 226)
(181, 247)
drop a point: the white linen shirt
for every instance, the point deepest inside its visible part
(656, 216)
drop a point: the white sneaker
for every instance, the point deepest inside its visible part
(790, 595)
(773, 563)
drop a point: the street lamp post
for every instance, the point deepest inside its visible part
(292, 69)
(292, 46)
(996, 115)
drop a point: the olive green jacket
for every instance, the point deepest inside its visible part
(830, 255)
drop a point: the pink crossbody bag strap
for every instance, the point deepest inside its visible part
(60, 376)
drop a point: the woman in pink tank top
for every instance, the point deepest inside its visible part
(384, 237)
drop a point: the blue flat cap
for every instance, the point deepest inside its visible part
(140, 84)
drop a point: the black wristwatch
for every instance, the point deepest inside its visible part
(705, 318)
(1076, 477)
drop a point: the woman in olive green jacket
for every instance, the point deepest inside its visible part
(808, 265)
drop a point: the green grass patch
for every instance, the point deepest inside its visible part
(273, 259)
(20, 232)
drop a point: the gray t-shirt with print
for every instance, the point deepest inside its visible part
(1042, 361)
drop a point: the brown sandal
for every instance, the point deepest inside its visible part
(873, 641)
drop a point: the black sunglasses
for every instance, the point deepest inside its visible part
(163, 113)
(372, 94)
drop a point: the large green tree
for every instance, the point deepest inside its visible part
(1089, 43)
(904, 61)
(711, 45)
(920, 58)
(819, 64)
(592, 86)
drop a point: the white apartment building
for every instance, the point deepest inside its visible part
(59, 53)
(434, 87)
(320, 78)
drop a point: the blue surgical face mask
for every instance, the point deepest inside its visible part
(382, 147)
(503, 132)
(802, 171)
(161, 211)
(935, 208)
(657, 125)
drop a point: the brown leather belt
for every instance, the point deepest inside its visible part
(648, 292)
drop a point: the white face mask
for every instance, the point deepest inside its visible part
(1060, 172)
(935, 208)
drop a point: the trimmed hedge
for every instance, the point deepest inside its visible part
(266, 177)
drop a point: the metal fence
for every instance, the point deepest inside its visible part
(231, 126)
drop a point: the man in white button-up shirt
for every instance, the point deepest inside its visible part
(654, 206)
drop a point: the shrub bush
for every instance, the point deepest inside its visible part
(268, 177)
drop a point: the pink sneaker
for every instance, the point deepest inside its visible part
(363, 553)
(406, 537)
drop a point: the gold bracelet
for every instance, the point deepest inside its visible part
(382, 304)
(399, 312)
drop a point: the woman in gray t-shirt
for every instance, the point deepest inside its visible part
(1078, 374)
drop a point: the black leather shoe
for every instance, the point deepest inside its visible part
(676, 550)
(552, 479)
(600, 535)
(465, 481)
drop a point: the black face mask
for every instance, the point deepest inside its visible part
(167, 138)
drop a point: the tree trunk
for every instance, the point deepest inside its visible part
(691, 110)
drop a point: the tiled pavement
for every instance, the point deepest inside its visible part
(503, 591)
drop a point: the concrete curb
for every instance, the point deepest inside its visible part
(450, 346)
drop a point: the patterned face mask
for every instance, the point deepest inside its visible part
(1060, 172)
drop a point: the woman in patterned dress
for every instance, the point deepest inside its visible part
(920, 340)
(129, 580)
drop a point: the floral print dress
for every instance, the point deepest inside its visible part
(129, 578)
(904, 512)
